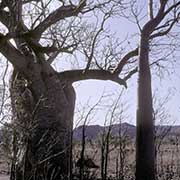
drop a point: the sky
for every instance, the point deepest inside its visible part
(162, 87)
(89, 92)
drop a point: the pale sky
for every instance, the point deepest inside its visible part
(91, 90)
(169, 83)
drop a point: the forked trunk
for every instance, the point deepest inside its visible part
(43, 127)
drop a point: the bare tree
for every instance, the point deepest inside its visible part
(83, 141)
(159, 24)
(106, 136)
(33, 33)
(121, 147)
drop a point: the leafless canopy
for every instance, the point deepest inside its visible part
(50, 28)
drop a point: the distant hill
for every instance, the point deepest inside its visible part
(93, 131)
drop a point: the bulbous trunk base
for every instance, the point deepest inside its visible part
(43, 128)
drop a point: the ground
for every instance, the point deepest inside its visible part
(168, 159)
(3, 177)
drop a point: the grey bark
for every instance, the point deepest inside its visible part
(145, 149)
(44, 128)
(43, 100)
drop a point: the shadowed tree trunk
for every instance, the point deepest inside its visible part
(43, 105)
(42, 98)
(44, 128)
(145, 150)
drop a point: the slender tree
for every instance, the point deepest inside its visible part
(33, 34)
(155, 27)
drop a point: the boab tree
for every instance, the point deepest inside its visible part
(160, 23)
(33, 33)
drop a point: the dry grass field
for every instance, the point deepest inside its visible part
(168, 161)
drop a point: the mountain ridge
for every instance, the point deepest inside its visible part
(125, 129)
(92, 132)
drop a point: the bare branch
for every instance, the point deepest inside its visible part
(124, 60)
(59, 14)
(162, 33)
(130, 74)
(50, 49)
(4, 18)
(78, 75)
(151, 9)
(153, 23)
(13, 55)
(28, 1)
(171, 8)
(3, 92)
(106, 16)
(51, 58)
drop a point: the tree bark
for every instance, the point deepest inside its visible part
(145, 150)
(44, 127)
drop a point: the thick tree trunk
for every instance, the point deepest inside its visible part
(44, 128)
(145, 150)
